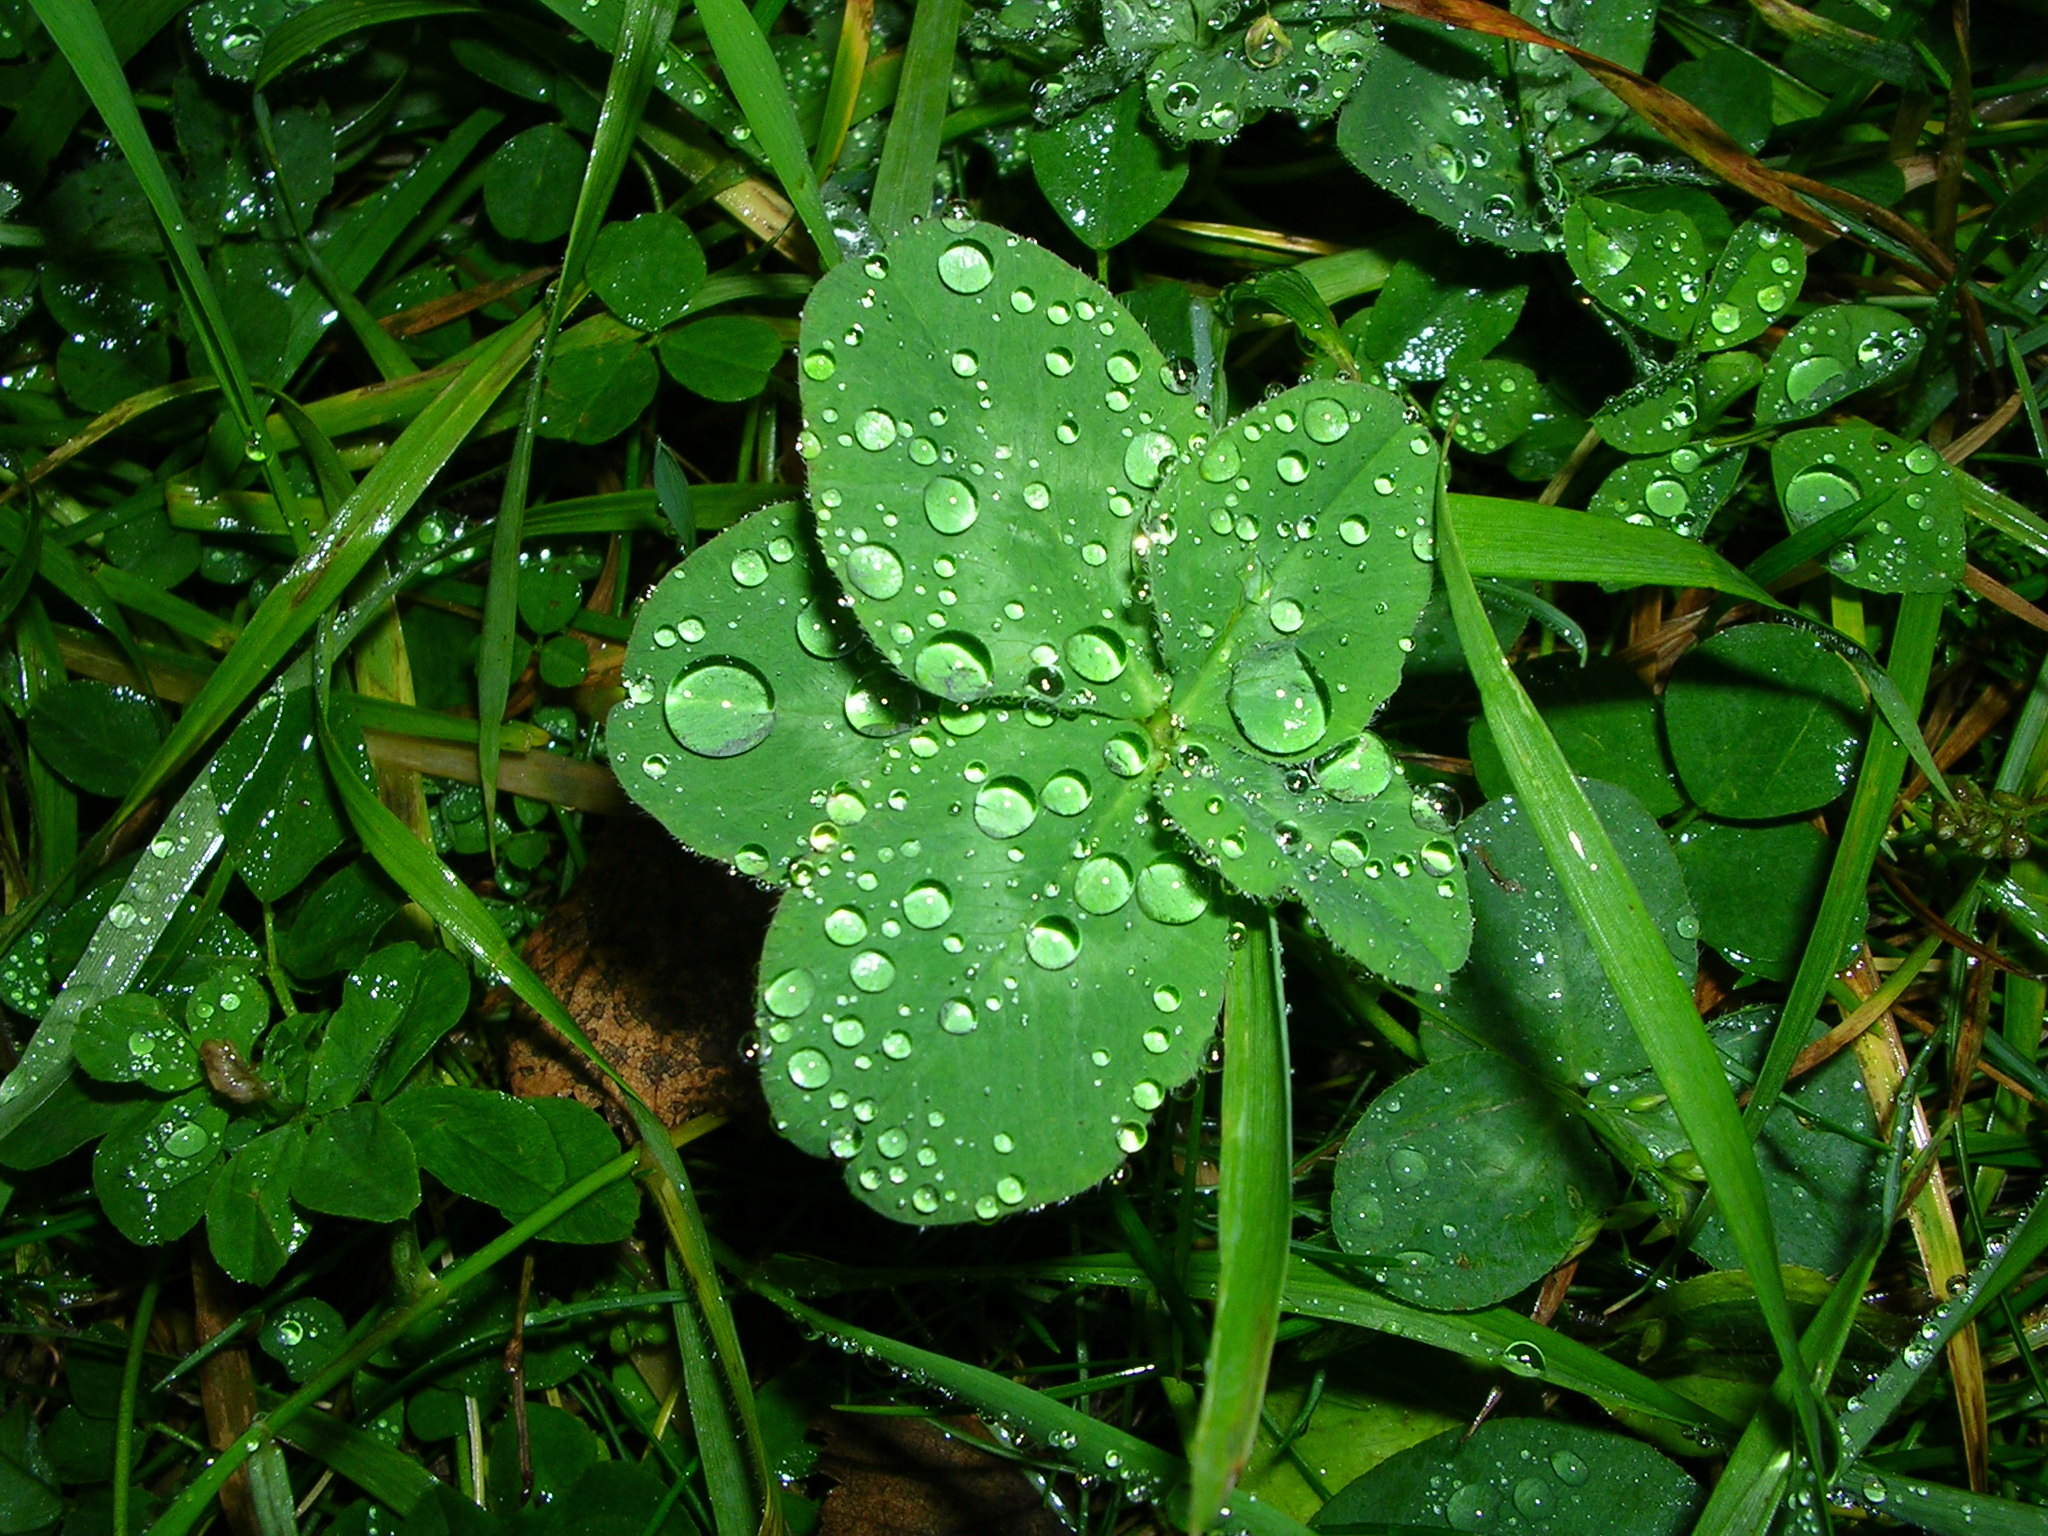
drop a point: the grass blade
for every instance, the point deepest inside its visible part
(1145, 1471)
(849, 68)
(309, 31)
(1529, 541)
(763, 96)
(1254, 1204)
(320, 576)
(910, 153)
(81, 36)
(1657, 1001)
(643, 33)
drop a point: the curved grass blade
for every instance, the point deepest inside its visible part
(1254, 1209)
(849, 68)
(1494, 1337)
(643, 33)
(1942, 1511)
(763, 96)
(195, 1499)
(910, 153)
(81, 36)
(309, 31)
(1144, 1471)
(419, 872)
(168, 871)
(109, 420)
(319, 577)
(1658, 1002)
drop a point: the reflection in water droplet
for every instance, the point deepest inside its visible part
(1053, 943)
(872, 971)
(1285, 615)
(956, 1016)
(1005, 807)
(1810, 376)
(1293, 468)
(1817, 492)
(720, 708)
(789, 994)
(1222, 462)
(1122, 367)
(874, 430)
(1569, 1468)
(954, 666)
(810, 1069)
(1146, 458)
(1103, 885)
(1277, 700)
(1168, 892)
(966, 267)
(1358, 771)
(1059, 362)
(1126, 754)
(1098, 655)
(874, 570)
(1066, 794)
(949, 505)
(748, 568)
(817, 635)
(1348, 849)
(927, 905)
(1325, 420)
(845, 926)
(879, 705)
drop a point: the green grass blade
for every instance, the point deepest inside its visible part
(910, 154)
(462, 916)
(1495, 1337)
(1943, 1511)
(1527, 541)
(1657, 1001)
(81, 36)
(1915, 635)
(323, 573)
(1254, 1209)
(1145, 1471)
(763, 96)
(643, 33)
(46, 115)
(1759, 1472)
(115, 956)
(1810, 542)
(305, 34)
(849, 67)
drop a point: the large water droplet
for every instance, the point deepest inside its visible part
(720, 708)
(966, 266)
(790, 993)
(950, 505)
(1811, 375)
(954, 666)
(1066, 794)
(1053, 943)
(1222, 462)
(1817, 492)
(748, 568)
(878, 705)
(874, 570)
(1146, 458)
(927, 905)
(1097, 654)
(845, 926)
(810, 1069)
(1005, 807)
(874, 430)
(1358, 771)
(1169, 892)
(1325, 420)
(1126, 755)
(1277, 700)
(1103, 885)
(872, 971)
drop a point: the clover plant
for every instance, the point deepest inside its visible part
(1053, 680)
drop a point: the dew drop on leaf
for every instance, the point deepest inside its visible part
(720, 708)
(949, 506)
(1005, 807)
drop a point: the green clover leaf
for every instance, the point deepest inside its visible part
(1055, 680)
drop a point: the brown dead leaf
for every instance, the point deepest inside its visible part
(911, 1477)
(653, 953)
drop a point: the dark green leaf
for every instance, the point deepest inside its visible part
(1763, 723)
(601, 377)
(1913, 539)
(336, 925)
(275, 804)
(133, 1039)
(358, 1163)
(1757, 889)
(530, 183)
(1105, 173)
(645, 269)
(727, 357)
(251, 1224)
(1832, 354)
(1604, 718)
(96, 735)
(481, 1143)
(302, 1336)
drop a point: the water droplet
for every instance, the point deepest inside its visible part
(1005, 807)
(1103, 885)
(845, 926)
(966, 364)
(1010, 1190)
(1053, 943)
(1147, 1095)
(790, 993)
(1285, 615)
(1325, 420)
(1168, 892)
(819, 365)
(1348, 849)
(848, 1031)
(1122, 367)
(1523, 1359)
(874, 430)
(1277, 700)
(748, 568)
(1146, 458)
(1126, 755)
(1533, 1497)
(720, 708)
(872, 971)
(953, 666)
(1810, 376)
(927, 905)
(949, 506)
(810, 1069)
(966, 266)
(1023, 300)
(876, 707)
(873, 569)
(1098, 655)
(1059, 362)
(1222, 462)
(187, 1141)
(1817, 492)
(1293, 468)
(896, 1046)
(956, 1016)
(1569, 1468)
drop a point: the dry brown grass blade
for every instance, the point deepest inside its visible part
(433, 314)
(1996, 591)
(1882, 1056)
(1992, 704)
(1687, 127)
(227, 1385)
